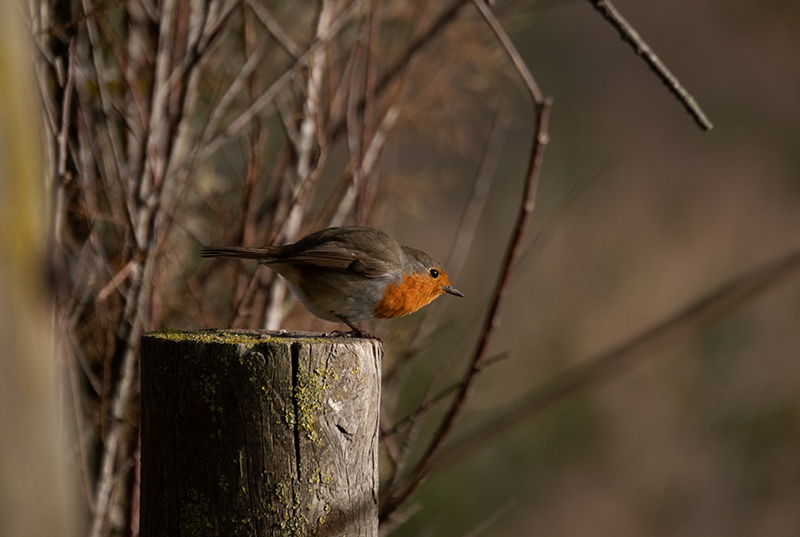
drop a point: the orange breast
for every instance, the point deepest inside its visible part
(408, 296)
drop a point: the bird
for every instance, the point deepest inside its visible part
(351, 274)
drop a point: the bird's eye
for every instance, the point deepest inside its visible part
(434, 273)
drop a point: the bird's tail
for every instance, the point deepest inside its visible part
(243, 252)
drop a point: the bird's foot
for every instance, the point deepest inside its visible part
(353, 334)
(355, 331)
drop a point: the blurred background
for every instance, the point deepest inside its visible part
(151, 155)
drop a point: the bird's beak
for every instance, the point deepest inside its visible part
(452, 291)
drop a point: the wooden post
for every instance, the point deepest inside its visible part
(259, 433)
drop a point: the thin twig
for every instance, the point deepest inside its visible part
(362, 173)
(461, 245)
(372, 29)
(398, 518)
(197, 297)
(287, 120)
(105, 92)
(255, 141)
(274, 28)
(233, 92)
(81, 429)
(548, 229)
(513, 53)
(388, 441)
(247, 294)
(490, 520)
(701, 313)
(480, 193)
(376, 143)
(416, 421)
(117, 280)
(302, 195)
(311, 130)
(372, 23)
(631, 36)
(428, 405)
(66, 112)
(269, 95)
(445, 18)
(397, 498)
(341, 93)
(353, 140)
(131, 83)
(159, 129)
(213, 25)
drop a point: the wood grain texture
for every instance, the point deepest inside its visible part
(259, 433)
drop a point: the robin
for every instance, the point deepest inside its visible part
(352, 274)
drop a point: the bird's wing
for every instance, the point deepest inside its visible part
(334, 256)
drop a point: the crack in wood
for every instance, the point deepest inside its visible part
(294, 349)
(347, 435)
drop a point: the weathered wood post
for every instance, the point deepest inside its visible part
(259, 433)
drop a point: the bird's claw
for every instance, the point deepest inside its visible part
(354, 333)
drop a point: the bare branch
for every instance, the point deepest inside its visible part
(274, 28)
(66, 112)
(430, 403)
(310, 130)
(159, 131)
(512, 52)
(461, 245)
(117, 280)
(371, 155)
(397, 498)
(105, 93)
(548, 229)
(477, 200)
(631, 36)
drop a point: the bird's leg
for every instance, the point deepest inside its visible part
(355, 330)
